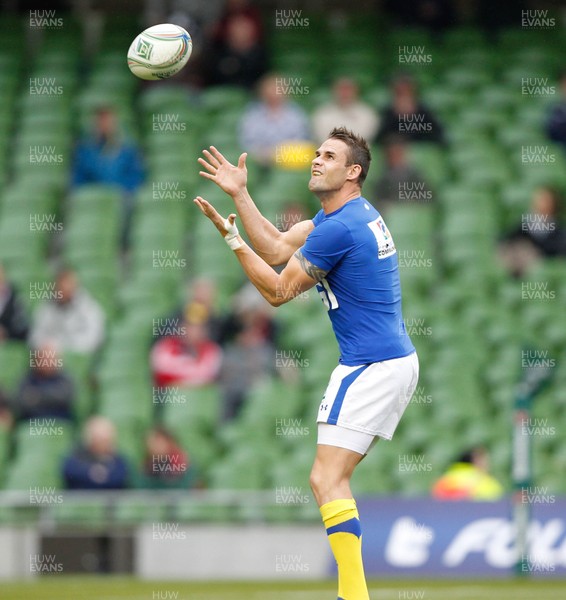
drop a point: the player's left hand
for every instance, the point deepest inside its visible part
(217, 219)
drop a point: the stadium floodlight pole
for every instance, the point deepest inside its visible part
(533, 381)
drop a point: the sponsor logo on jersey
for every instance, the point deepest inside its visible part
(385, 244)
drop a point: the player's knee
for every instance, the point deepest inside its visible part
(316, 479)
(323, 481)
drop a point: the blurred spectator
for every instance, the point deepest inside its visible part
(249, 307)
(407, 116)
(13, 317)
(201, 305)
(556, 121)
(271, 121)
(345, 109)
(107, 156)
(468, 479)
(234, 10)
(46, 391)
(96, 464)
(166, 464)
(73, 321)
(240, 58)
(190, 359)
(250, 353)
(400, 181)
(540, 233)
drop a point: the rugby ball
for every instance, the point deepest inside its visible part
(159, 52)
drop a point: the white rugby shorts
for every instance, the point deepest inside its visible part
(369, 399)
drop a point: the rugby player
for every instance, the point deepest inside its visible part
(347, 252)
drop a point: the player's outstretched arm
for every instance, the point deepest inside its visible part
(276, 288)
(274, 246)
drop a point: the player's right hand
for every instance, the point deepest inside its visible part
(230, 178)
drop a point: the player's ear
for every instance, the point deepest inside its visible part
(354, 171)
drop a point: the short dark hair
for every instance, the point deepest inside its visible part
(358, 150)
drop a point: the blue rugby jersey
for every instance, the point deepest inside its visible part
(361, 290)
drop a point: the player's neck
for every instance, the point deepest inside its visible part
(332, 201)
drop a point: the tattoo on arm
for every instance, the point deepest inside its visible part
(311, 270)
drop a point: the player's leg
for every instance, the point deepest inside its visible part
(360, 399)
(330, 482)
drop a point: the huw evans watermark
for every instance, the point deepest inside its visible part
(167, 531)
(45, 495)
(537, 290)
(168, 259)
(44, 563)
(167, 122)
(537, 359)
(414, 463)
(537, 155)
(537, 86)
(44, 86)
(45, 19)
(168, 395)
(290, 428)
(44, 290)
(45, 427)
(168, 463)
(537, 426)
(537, 19)
(42, 155)
(291, 495)
(414, 55)
(168, 327)
(291, 563)
(44, 222)
(537, 223)
(290, 19)
(291, 358)
(167, 190)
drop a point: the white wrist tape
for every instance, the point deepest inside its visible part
(231, 238)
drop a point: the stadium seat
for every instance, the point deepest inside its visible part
(15, 359)
(40, 448)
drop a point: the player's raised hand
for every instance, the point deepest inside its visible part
(226, 227)
(230, 178)
(217, 219)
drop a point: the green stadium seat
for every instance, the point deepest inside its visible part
(430, 161)
(198, 408)
(78, 366)
(215, 100)
(15, 360)
(239, 471)
(40, 448)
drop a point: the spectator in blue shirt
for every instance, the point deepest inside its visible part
(95, 464)
(107, 157)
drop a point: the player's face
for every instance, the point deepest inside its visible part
(328, 169)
